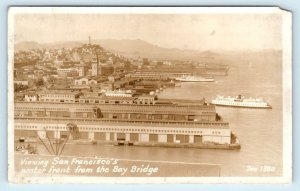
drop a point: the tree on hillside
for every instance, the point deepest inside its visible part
(19, 87)
(145, 61)
(159, 63)
(39, 82)
(127, 65)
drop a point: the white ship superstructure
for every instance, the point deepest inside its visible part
(240, 101)
(119, 93)
(195, 79)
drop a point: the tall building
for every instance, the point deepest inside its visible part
(80, 70)
(94, 68)
(99, 68)
(145, 61)
(95, 65)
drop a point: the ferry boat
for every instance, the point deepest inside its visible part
(195, 79)
(119, 93)
(240, 101)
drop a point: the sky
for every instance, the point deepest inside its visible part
(184, 31)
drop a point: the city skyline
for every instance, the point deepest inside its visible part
(243, 32)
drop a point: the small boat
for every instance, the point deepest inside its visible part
(121, 143)
(130, 143)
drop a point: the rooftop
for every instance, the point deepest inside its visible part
(117, 122)
(58, 92)
(119, 108)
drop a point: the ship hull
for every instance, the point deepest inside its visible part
(195, 79)
(208, 80)
(242, 106)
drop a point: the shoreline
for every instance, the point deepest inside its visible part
(233, 106)
(233, 146)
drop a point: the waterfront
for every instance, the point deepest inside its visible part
(132, 102)
(259, 130)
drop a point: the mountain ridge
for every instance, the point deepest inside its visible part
(126, 47)
(139, 48)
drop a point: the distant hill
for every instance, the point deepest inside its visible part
(129, 48)
(27, 45)
(139, 48)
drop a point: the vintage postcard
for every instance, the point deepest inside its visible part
(150, 95)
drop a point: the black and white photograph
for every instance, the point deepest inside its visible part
(149, 95)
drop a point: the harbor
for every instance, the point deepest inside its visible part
(149, 95)
(246, 123)
(143, 114)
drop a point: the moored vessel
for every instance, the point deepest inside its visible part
(195, 79)
(241, 101)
